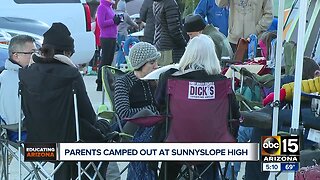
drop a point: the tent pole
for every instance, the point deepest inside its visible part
(298, 72)
(277, 71)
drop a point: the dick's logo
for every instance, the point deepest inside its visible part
(201, 90)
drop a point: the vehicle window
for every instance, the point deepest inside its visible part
(45, 1)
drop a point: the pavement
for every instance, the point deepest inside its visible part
(96, 99)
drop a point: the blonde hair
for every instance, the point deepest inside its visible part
(200, 55)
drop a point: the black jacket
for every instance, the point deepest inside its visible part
(168, 32)
(48, 103)
(146, 15)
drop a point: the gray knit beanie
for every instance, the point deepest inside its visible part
(141, 53)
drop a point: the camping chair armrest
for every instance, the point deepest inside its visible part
(147, 121)
(13, 127)
(308, 95)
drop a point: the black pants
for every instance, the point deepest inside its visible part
(108, 47)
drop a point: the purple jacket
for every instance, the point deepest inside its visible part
(105, 16)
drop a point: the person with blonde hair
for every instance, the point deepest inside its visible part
(199, 55)
(199, 62)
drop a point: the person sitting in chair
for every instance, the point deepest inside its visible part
(133, 95)
(195, 25)
(53, 71)
(199, 62)
(20, 49)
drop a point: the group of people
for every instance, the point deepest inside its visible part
(197, 45)
(166, 31)
(164, 25)
(169, 44)
(42, 72)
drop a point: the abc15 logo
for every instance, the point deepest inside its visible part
(280, 145)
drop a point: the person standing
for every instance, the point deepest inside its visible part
(146, 15)
(247, 17)
(215, 15)
(126, 22)
(107, 21)
(169, 38)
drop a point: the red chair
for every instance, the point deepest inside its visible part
(197, 111)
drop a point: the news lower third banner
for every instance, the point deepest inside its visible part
(158, 151)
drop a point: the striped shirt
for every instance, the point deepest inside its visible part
(122, 99)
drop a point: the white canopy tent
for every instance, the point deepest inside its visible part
(298, 69)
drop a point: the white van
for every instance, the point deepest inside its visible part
(75, 14)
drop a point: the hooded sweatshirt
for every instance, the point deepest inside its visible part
(123, 26)
(48, 78)
(105, 14)
(9, 102)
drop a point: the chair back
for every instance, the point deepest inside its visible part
(49, 112)
(109, 76)
(199, 111)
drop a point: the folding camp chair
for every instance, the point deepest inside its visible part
(209, 102)
(10, 152)
(11, 147)
(208, 122)
(109, 76)
(58, 122)
(307, 156)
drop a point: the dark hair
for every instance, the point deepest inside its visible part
(309, 67)
(48, 51)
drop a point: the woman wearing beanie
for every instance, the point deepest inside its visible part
(133, 95)
(199, 62)
(195, 25)
(53, 71)
(107, 21)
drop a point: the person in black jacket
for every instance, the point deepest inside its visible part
(46, 117)
(169, 38)
(146, 15)
(199, 62)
